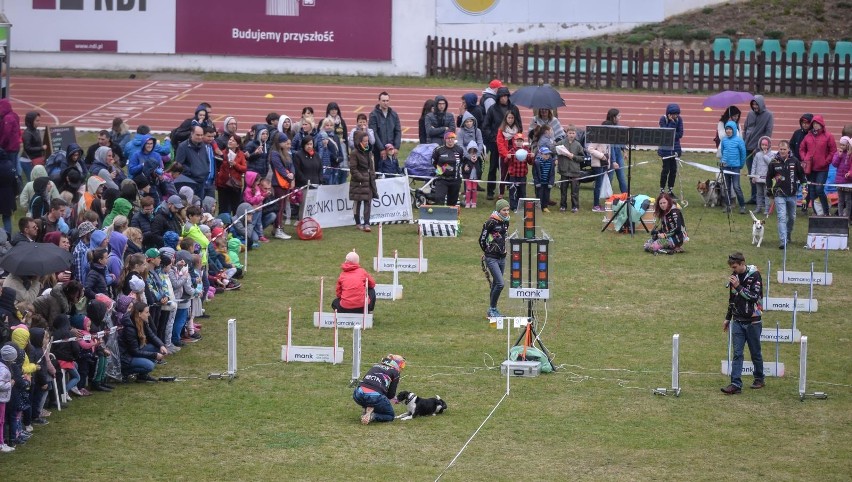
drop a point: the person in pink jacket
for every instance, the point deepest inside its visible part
(350, 287)
(254, 195)
(816, 152)
(843, 162)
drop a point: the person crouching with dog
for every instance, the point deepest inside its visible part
(492, 240)
(350, 287)
(377, 388)
(670, 233)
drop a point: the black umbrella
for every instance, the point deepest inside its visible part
(35, 259)
(538, 97)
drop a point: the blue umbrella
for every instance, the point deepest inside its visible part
(728, 98)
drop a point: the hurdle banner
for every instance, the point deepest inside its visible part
(770, 369)
(342, 320)
(782, 335)
(805, 277)
(790, 304)
(392, 291)
(321, 354)
(407, 265)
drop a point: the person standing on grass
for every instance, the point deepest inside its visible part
(783, 177)
(816, 152)
(669, 157)
(492, 241)
(384, 122)
(377, 388)
(759, 123)
(745, 292)
(362, 186)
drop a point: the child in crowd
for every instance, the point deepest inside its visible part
(362, 126)
(842, 161)
(254, 195)
(8, 355)
(234, 249)
(471, 170)
(238, 228)
(182, 284)
(388, 163)
(759, 166)
(544, 173)
(269, 213)
(330, 157)
(570, 156)
(517, 172)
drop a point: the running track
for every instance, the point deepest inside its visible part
(91, 104)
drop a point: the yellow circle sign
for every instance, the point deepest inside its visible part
(475, 7)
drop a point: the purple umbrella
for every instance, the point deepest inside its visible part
(728, 98)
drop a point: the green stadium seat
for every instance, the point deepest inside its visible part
(772, 50)
(722, 45)
(843, 49)
(819, 54)
(795, 48)
(745, 48)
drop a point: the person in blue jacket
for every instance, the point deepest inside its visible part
(733, 154)
(669, 156)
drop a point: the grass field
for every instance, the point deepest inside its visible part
(609, 324)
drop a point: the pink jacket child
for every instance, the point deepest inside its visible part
(253, 194)
(88, 343)
(817, 148)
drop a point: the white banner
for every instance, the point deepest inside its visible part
(330, 205)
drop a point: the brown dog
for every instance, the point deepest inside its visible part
(709, 191)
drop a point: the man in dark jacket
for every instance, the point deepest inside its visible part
(671, 120)
(384, 122)
(745, 292)
(28, 231)
(798, 136)
(193, 155)
(493, 119)
(759, 123)
(166, 218)
(783, 177)
(377, 388)
(439, 121)
(144, 218)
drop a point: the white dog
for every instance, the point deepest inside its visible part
(757, 230)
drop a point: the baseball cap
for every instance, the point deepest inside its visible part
(544, 150)
(176, 201)
(495, 84)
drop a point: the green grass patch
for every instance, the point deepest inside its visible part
(609, 323)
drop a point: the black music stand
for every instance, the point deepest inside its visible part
(631, 137)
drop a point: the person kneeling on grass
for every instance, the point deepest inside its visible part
(377, 388)
(350, 287)
(670, 233)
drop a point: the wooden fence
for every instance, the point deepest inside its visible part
(644, 69)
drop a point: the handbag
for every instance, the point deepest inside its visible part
(233, 183)
(282, 181)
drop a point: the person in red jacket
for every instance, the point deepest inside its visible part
(816, 152)
(350, 287)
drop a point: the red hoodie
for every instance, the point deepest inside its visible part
(817, 151)
(350, 285)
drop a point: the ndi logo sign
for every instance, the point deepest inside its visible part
(108, 5)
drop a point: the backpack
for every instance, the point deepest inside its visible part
(485, 96)
(181, 132)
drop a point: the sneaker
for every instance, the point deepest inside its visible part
(473, 206)
(45, 413)
(85, 392)
(489, 197)
(574, 210)
(758, 384)
(280, 234)
(673, 195)
(195, 336)
(491, 312)
(28, 428)
(6, 448)
(40, 421)
(288, 222)
(145, 379)
(562, 210)
(545, 210)
(366, 228)
(263, 239)
(75, 391)
(161, 362)
(731, 390)
(255, 245)
(782, 246)
(742, 210)
(598, 209)
(368, 416)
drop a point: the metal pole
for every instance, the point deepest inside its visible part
(803, 367)
(811, 294)
(248, 243)
(676, 363)
(795, 308)
(777, 337)
(322, 290)
(768, 278)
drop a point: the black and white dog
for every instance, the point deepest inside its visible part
(419, 407)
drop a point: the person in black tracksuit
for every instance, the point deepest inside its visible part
(745, 292)
(447, 162)
(783, 177)
(377, 388)
(492, 240)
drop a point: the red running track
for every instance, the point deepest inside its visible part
(93, 103)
